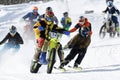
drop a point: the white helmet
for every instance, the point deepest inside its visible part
(109, 3)
(81, 20)
(13, 30)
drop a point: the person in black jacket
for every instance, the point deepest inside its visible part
(13, 40)
(113, 13)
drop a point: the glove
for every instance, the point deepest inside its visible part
(103, 12)
(66, 32)
(41, 28)
(0, 43)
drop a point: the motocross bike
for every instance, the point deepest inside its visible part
(107, 27)
(35, 65)
(28, 33)
(52, 48)
(51, 55)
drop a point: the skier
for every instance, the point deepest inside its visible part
(79, 43)
(14, 40)
(113, 12)
(66, 21)
(30, 18)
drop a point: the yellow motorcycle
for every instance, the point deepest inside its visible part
(52, 48)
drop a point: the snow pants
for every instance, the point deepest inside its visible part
(38, 48)
(74, 51)
(115, 20)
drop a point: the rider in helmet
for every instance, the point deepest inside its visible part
(49, 16)
(30, 19)
(113, 12)
(79, 43)
(13, 39)
(32, 16)
(66, 21)
(13, 30)
(41, 30)
(50, 20)
(83, 22)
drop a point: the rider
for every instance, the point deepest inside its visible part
(49, 16)
(32, 16)
(79, 43)
(66, 21)
(40, 38)
(13, 39)
(41, 29)
(50, 20)
(114, 12)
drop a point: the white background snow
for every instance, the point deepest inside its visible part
(101, 62)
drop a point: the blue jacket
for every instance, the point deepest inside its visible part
(32, 17)
(66, 22)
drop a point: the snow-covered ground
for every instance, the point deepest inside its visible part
(102, 60)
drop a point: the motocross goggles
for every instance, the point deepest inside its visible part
(35, 11)
(12, 32)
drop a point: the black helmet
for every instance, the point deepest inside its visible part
(49, 9)
(84, 32)
(65, 14)
(81, 18)
(13, 30)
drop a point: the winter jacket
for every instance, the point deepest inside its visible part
(86, 24)
(32, 17)
(112, 10)
(16, 39)
(45, 33)
(79, 42)
(66, 22)
(38, 33)
(50, 18)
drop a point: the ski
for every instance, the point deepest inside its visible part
(61, 69)
(75, 68)
(69, 69)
